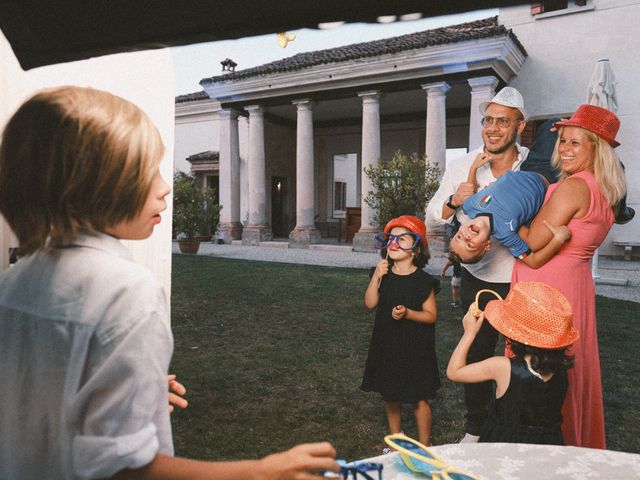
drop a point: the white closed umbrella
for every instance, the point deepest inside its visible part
(602, 92)
(602, 87)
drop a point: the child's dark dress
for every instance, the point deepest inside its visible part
(530, 409)
(402, 363)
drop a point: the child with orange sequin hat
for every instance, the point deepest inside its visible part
(536, 320)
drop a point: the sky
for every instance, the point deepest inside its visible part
(192, 63)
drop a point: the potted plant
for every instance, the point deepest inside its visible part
(191, 211)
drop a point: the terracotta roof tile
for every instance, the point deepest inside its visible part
(478, 29)
(207, 155)
(192, 97)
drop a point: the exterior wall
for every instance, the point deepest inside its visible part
(563, 51)
(145, 78)
(458, 132)
(196, 130)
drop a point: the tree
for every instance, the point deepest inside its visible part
(402, 186)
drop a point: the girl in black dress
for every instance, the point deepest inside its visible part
(536, 320)
(401, 364)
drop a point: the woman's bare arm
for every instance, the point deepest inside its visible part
(571, 199)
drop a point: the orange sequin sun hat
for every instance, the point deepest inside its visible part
(535, 314)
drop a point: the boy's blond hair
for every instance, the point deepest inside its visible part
(74, 159)
(607, 169)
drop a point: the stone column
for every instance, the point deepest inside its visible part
(305, 231)
(229, 225)
(482, 90)
(363, 239)
(257, 229)
(436, 134)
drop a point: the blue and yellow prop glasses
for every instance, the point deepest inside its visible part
(419, 459)
(357, 471)
(405, 241)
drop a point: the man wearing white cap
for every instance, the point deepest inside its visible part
(503, 119)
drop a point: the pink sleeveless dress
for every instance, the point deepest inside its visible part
(570, 272)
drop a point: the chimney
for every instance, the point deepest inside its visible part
(228, 66)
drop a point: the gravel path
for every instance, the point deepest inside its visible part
(616, 278)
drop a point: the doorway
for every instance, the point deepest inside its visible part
(279, 217)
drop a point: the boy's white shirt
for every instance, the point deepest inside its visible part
(86, 346)
(497, 264)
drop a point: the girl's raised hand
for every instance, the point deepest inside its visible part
(472, 323)
(381, 269)
(480, 160)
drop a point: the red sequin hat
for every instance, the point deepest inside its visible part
(411, 223)
(597, 120)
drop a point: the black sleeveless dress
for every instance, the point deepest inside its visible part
(530, 409)
(402, 364)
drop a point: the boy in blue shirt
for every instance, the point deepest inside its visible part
(499, 210)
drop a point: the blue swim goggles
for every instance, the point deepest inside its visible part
(357, 471)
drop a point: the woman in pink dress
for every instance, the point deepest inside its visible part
(591, 183)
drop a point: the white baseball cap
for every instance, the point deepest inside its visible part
(508, 97)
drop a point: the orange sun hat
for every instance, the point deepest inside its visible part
(411, 223)
(534, 313)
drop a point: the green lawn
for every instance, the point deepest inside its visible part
(272, 355)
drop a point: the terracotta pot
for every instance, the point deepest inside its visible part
(189, 246)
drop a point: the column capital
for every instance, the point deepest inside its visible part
(436, 89)
(254, 109)
(230, 113)
(303, 103)
(483, 83)
(370, 96)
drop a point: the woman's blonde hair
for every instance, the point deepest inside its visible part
(607, 168)
(74, 159)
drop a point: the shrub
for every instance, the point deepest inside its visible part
(194, 209)
(402, 186)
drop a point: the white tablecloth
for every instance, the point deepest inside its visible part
(511, 461)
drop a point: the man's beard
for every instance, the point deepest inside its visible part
(508, 145)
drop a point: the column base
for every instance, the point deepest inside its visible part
(254, 234)
(302, 237)
(230, 231)
(363, 241)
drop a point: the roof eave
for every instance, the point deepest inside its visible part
(196, 107)
(503, 54)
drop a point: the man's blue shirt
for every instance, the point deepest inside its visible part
(509, 202)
